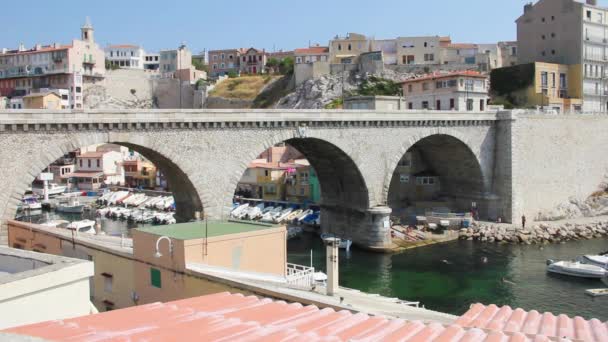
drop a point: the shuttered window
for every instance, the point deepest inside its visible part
(155, 277)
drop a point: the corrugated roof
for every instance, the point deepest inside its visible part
(234, 317)
(505, 319)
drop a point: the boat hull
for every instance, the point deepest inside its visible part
(79, 209)
(576, 272)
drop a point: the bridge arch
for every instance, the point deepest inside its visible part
(186, 194)
(451, 159)
(340, 179)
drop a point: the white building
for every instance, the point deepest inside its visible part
(459, 91)
(573, 33)
(125, 56)
(36, 287)
(96, 168)
(152, 61)
(419, 50)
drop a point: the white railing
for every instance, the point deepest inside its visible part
(300, 276)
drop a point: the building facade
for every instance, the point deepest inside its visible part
(420, 50)
(253, 61)
(125, 56)
(460, 91)
(152, 61)
(46, 100)
(346, 50)
(93, 169)
(224, 62)
(571, 33)
(538, 85)
(23, 71)
(139, 173)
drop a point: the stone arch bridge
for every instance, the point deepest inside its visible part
(355, 153)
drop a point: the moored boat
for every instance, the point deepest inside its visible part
(84, 226)
(576, 269)
(53, 189)
(71, 207)
(596, 260)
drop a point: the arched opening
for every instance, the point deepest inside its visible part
(307, 174)
(154, 189)
(438, 174)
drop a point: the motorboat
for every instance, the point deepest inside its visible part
(294, 214)
(576, 269)
(303, 215)
(30, 203)
(312, 219)
(71, 207)
(84, 226)
(236, 212)
(56, 223)
(344, 243)
(269, 216)
(596, 260)
(255, 212)
(53, 189)
(280, 217)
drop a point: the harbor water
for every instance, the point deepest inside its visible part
(449, 277)
(445, 277)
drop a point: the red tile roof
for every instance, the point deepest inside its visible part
(233, 317)
(315, 50)
(508, 320)
(438, 76)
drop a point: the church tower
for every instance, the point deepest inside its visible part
(87, 31)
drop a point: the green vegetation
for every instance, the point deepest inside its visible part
(110, 66)
(509, 84)
(244, 88)
(198, 65)
(335, 104)
(232, 74)
(284, 67)
(201, 83)
(376, 86)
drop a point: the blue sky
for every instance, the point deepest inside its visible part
(270, 24)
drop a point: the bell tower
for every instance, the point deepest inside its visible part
(87, 31)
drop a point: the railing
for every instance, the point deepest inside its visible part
(300, 276)
(33, 72)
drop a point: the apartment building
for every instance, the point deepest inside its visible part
(542, 85)
(460, 91)
(572, 33)
(45, 100)
(152, 61)
(125, 56)
(178, 64)
(54, 66)
(346, 50)
(224, 62)
(311, 54)
(420, 50)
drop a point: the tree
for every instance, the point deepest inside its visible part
(286, 66)
(272, 65)
(198, 65)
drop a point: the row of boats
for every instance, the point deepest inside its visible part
(587, 266)
(272, 214)
(130, 199)
(139, 215)
(137, 207)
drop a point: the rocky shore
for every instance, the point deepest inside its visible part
(537, 233)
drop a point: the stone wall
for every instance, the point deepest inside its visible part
(555, 158)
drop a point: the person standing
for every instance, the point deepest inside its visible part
(523, 221)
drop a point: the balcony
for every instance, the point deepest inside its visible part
(32, 73)
(89, 61)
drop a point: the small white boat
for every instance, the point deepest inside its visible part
(282, 215)
(53, 189)
(84, 226)
(56, 223)
(596, 260)
(304, 215)
(71, 207)
(255, 212)
(320, 278)
(597, 292)
(269, 216)
(344, 243)
(576, 269)
(238, 210)
(30, 203)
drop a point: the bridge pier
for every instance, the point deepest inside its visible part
(369, 229)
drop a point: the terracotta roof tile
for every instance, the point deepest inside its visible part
(230, 317)
(505, 319)
(314, 50)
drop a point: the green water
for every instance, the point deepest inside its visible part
(450, 277)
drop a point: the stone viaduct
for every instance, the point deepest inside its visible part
(509, 163)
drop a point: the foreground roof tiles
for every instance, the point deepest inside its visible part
(234, 317)
(508, 320)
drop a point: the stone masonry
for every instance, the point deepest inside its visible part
(204, 154)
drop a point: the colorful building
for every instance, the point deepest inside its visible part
(224, 62)
(139, 173)
(347, 49)
(94, 169)
(46, 100)
(253, 61)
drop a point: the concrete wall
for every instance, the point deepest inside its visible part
(308, 71)
(555, 158)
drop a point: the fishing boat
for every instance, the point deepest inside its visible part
(576, 269)
(53, 189)
(596, 260)
(84, 226)
(344, 243)
(71, 207)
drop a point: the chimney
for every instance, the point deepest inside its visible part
(528, 7)
(592, 2)
(55, 45)
(37, 47)
(21, 47)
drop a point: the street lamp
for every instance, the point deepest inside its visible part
(158, 253)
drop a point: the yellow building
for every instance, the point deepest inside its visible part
(47, 100)
(140, 173)
(545, 85)
(346, 50)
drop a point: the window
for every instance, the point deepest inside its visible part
(214, 66)
(404, 178)
(107, 282)
(426, 44)
(409, 88)
(223, 56)
(469, 104)
(481, 105)
(544, 79)
(410, 105)
(80, 162)
(266, 173)
(553, 52)
(588, 14)
(438, 105)
(302, 190)
(552, 18)
(425, 104)
(562, 81)
(552, 35)
(409, 59)
(78, 89)
(552, 80)
(543, 53)
(429, 57)
(89, 162)
(215, 57)
(155, 279)
(452, 103)
(405, 161)
(543, 37)
(425, 86)
(98, 162)
(425, 180)
(543, 19)
(350, 47)
(270, 189)
(339, 47)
